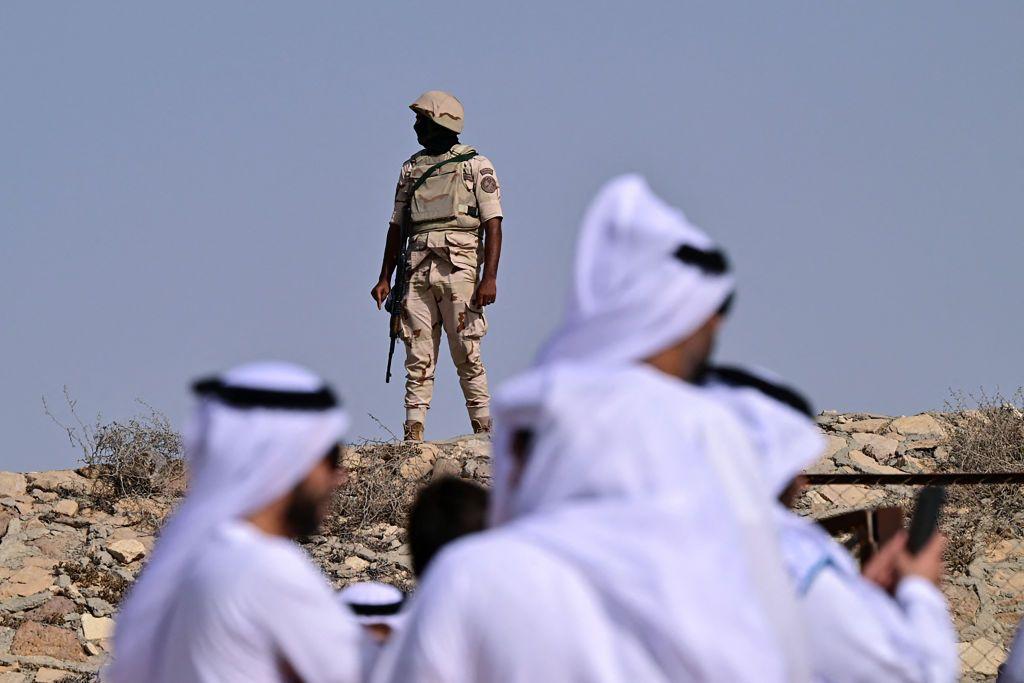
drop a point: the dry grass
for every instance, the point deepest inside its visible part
(140, 456)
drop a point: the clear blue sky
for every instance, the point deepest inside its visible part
(188, 185)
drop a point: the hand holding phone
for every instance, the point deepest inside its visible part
(926, 517)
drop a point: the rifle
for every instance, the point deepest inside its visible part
(393, 304)
(396, 298)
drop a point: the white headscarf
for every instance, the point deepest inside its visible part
(242, 456)
(632, 478)
(374, 603)
(787, 441)
(631, 297)
(779, 419)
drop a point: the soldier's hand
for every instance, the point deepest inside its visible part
(380, 292)
(486, 292)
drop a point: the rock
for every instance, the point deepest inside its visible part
(5, 521)
(879, 447)
(833, 445)
(851, 496)
(446, 467)
(22, 603)
(126, 550)
(26, 581)
(60, 481)
(50, 676)
(68, 508)
(874, 424)
(55, 607)
(12, 484)
(33, 639)
(921, 445)
(479, 470)
(868, 464)
(982, 656)
(922, 426)
(44, 496)
(963, 602)
(356, 564)
(99, 607)
(13, 677)
(420, 464)
(365, 553)
(1002, 551)
(96, 628)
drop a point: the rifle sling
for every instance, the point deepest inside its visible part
(459, 158)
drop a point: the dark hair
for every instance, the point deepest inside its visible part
(443, 511)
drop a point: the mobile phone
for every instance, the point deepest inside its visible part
(926, 517)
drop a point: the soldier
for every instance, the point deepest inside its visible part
(454, 224)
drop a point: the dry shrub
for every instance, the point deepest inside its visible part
(985, 434)
(108, 586)
(139, 456)
(376, 492)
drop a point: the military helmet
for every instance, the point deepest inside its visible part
(440, 107)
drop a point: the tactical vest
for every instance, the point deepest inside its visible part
(447, 199)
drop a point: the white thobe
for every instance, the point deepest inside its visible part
(254, 609)
(623, 556)
(858, 633)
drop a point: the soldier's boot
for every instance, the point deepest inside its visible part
(481, 425)
(413, 430)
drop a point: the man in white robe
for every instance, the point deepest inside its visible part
(378, 609)
(631, 541)
(228, 596)
(896, 629)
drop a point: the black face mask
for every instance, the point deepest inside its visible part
(436, 139)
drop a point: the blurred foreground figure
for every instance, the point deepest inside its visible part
(1012, 670)
(890, 624)
(632, 540)
(228, 595)
(378, 609)
(443, 511)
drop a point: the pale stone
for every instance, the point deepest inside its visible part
(446, 467)
(852, 496)
(877, 446)
(96, 628)
(126, 550)
(12, 484)
(834, 444)
(1002, 550)
(923, 426)
(420, 464)
(59, 481)
(68, 508)
(33, 639)
(13, 677)
(26, 581)
(50, 675)
(356, 564)
(869, 425)
(866, 463)
(982, 656)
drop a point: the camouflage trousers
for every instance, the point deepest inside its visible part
(438, 298)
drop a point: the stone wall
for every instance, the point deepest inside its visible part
(66, 558)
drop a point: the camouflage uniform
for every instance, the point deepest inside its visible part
(445, 254)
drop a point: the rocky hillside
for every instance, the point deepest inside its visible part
(68, 553)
